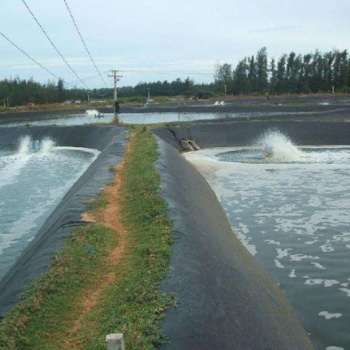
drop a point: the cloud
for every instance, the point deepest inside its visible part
(166, 38)
(275, 29)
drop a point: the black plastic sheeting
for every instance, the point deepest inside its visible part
(34, 260)
(226, 300)
(244, 133)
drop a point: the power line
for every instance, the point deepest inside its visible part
(83, 41)
(90, 77)
(30, 57)
(53, 45)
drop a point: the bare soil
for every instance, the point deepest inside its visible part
(109, 217)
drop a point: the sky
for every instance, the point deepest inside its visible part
(157, 40)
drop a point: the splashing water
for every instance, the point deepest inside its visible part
(93, 113)
(274, 147)
(27, 145)
(278, 148)
(47, 145)
(33, 182)
(289, 208)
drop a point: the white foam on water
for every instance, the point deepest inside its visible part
(92, 151)
(328, 315)
(282, 253)
(271, 241)
(346, 291)
(277, 147)
(278, 264)
(319, 281)
(311, 242)
(33, 185)
(47, 145)
(242, 235)
(292, 274)
(342, 237)
(300, 257)
(327, 248)
(11, 168)
(13, 164)
(25, 145)
(27, 222)
(92, 113)
(295, 213)
(318, 266)
(274, 147)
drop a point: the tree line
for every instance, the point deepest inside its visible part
(291, 73)
(14, 92)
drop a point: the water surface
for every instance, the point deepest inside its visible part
(34, 179)
(290, 207)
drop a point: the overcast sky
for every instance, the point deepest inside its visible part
(151, 40)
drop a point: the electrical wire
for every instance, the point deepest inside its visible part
(74, 82)
(30, 57)
(53, 45)
(79, 79)
(83, 41)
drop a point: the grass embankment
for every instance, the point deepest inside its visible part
(104, 280)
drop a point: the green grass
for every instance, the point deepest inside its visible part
(133, 304)
(98, 203)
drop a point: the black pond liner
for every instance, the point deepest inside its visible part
(36, 257)
(226, 300)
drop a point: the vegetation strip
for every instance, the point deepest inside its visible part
(291, 73)
(104, 280)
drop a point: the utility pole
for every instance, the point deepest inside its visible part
(116, 78)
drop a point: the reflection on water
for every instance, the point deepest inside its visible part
(145, 117)
(168, 117)
(154, 118)
(294, 218)
(90, 117)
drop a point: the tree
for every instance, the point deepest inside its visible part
(252, 74)
(305, 74)
(261, 70)
(281, 75)
(293, 73)
(224, 77)
(273, 75)
(60, 90)
(240, 78)
(341, 70)
(188, 87)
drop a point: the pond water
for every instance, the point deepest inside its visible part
(290, 208)
(34, 179)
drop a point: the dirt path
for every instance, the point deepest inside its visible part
(109, 217)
